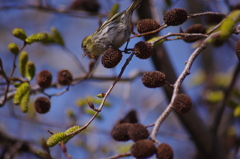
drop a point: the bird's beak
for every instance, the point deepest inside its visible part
(84, 54)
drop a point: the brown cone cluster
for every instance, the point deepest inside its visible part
(128, 128)
(175, 17)
(64, 77)
(42, 105)
(195, 28)
(182, 103)
(130, 117)
(138, 132)
(44, 79)
(143, 50)
(111, 57)
(164, 151)
(154, 79)
(147, 25)
(120, 132)
(143, 149)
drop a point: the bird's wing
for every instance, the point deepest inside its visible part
(113, 18)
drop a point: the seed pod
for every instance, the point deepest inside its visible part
(19, 33)
(143, 149)
(30, 70)
(130, 117)
(175, 17)
(25, 101)
(69, 131)
(23, 59)
(182, 103)
(164, 151)
(147, 25)
(72, 129)
(56, 138)
(143, 50)
(64, 77)
(21, 91)
(42, 105)
(154, 79)
(195, 28)
(44, 79)
(13, 48)
(49, 39)
(138, 132)
(237, 47)
(38, 37)
(111, 57)
(57, 36)
(120, 132)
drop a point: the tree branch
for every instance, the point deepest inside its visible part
(219, 111)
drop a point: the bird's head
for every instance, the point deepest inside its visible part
(87, 45)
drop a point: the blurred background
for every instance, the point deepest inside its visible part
(212, 85)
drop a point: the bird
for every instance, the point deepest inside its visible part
(114, 32)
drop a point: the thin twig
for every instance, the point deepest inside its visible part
(57, 94)
(118, 78)
(7, 86)
(150, 32)
(8, 81)
(177, 85)
(64, 150)
(36, 89)
(178, 34)
(165, 25)
(14, 65)
(205, 13)
(15, 58)
(105, 97)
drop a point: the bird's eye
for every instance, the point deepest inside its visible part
(85, 46)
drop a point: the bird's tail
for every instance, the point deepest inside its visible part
(133, 6)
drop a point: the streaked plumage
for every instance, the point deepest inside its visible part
(113, 32)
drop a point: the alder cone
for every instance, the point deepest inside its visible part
(175, 17)
(182, 103)
(154, 79)
(147, 25)
(120, 132)
(164, 151)
(143, 50)
(111, 57)
(143, 149)
(44, 79)
(42, 105)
